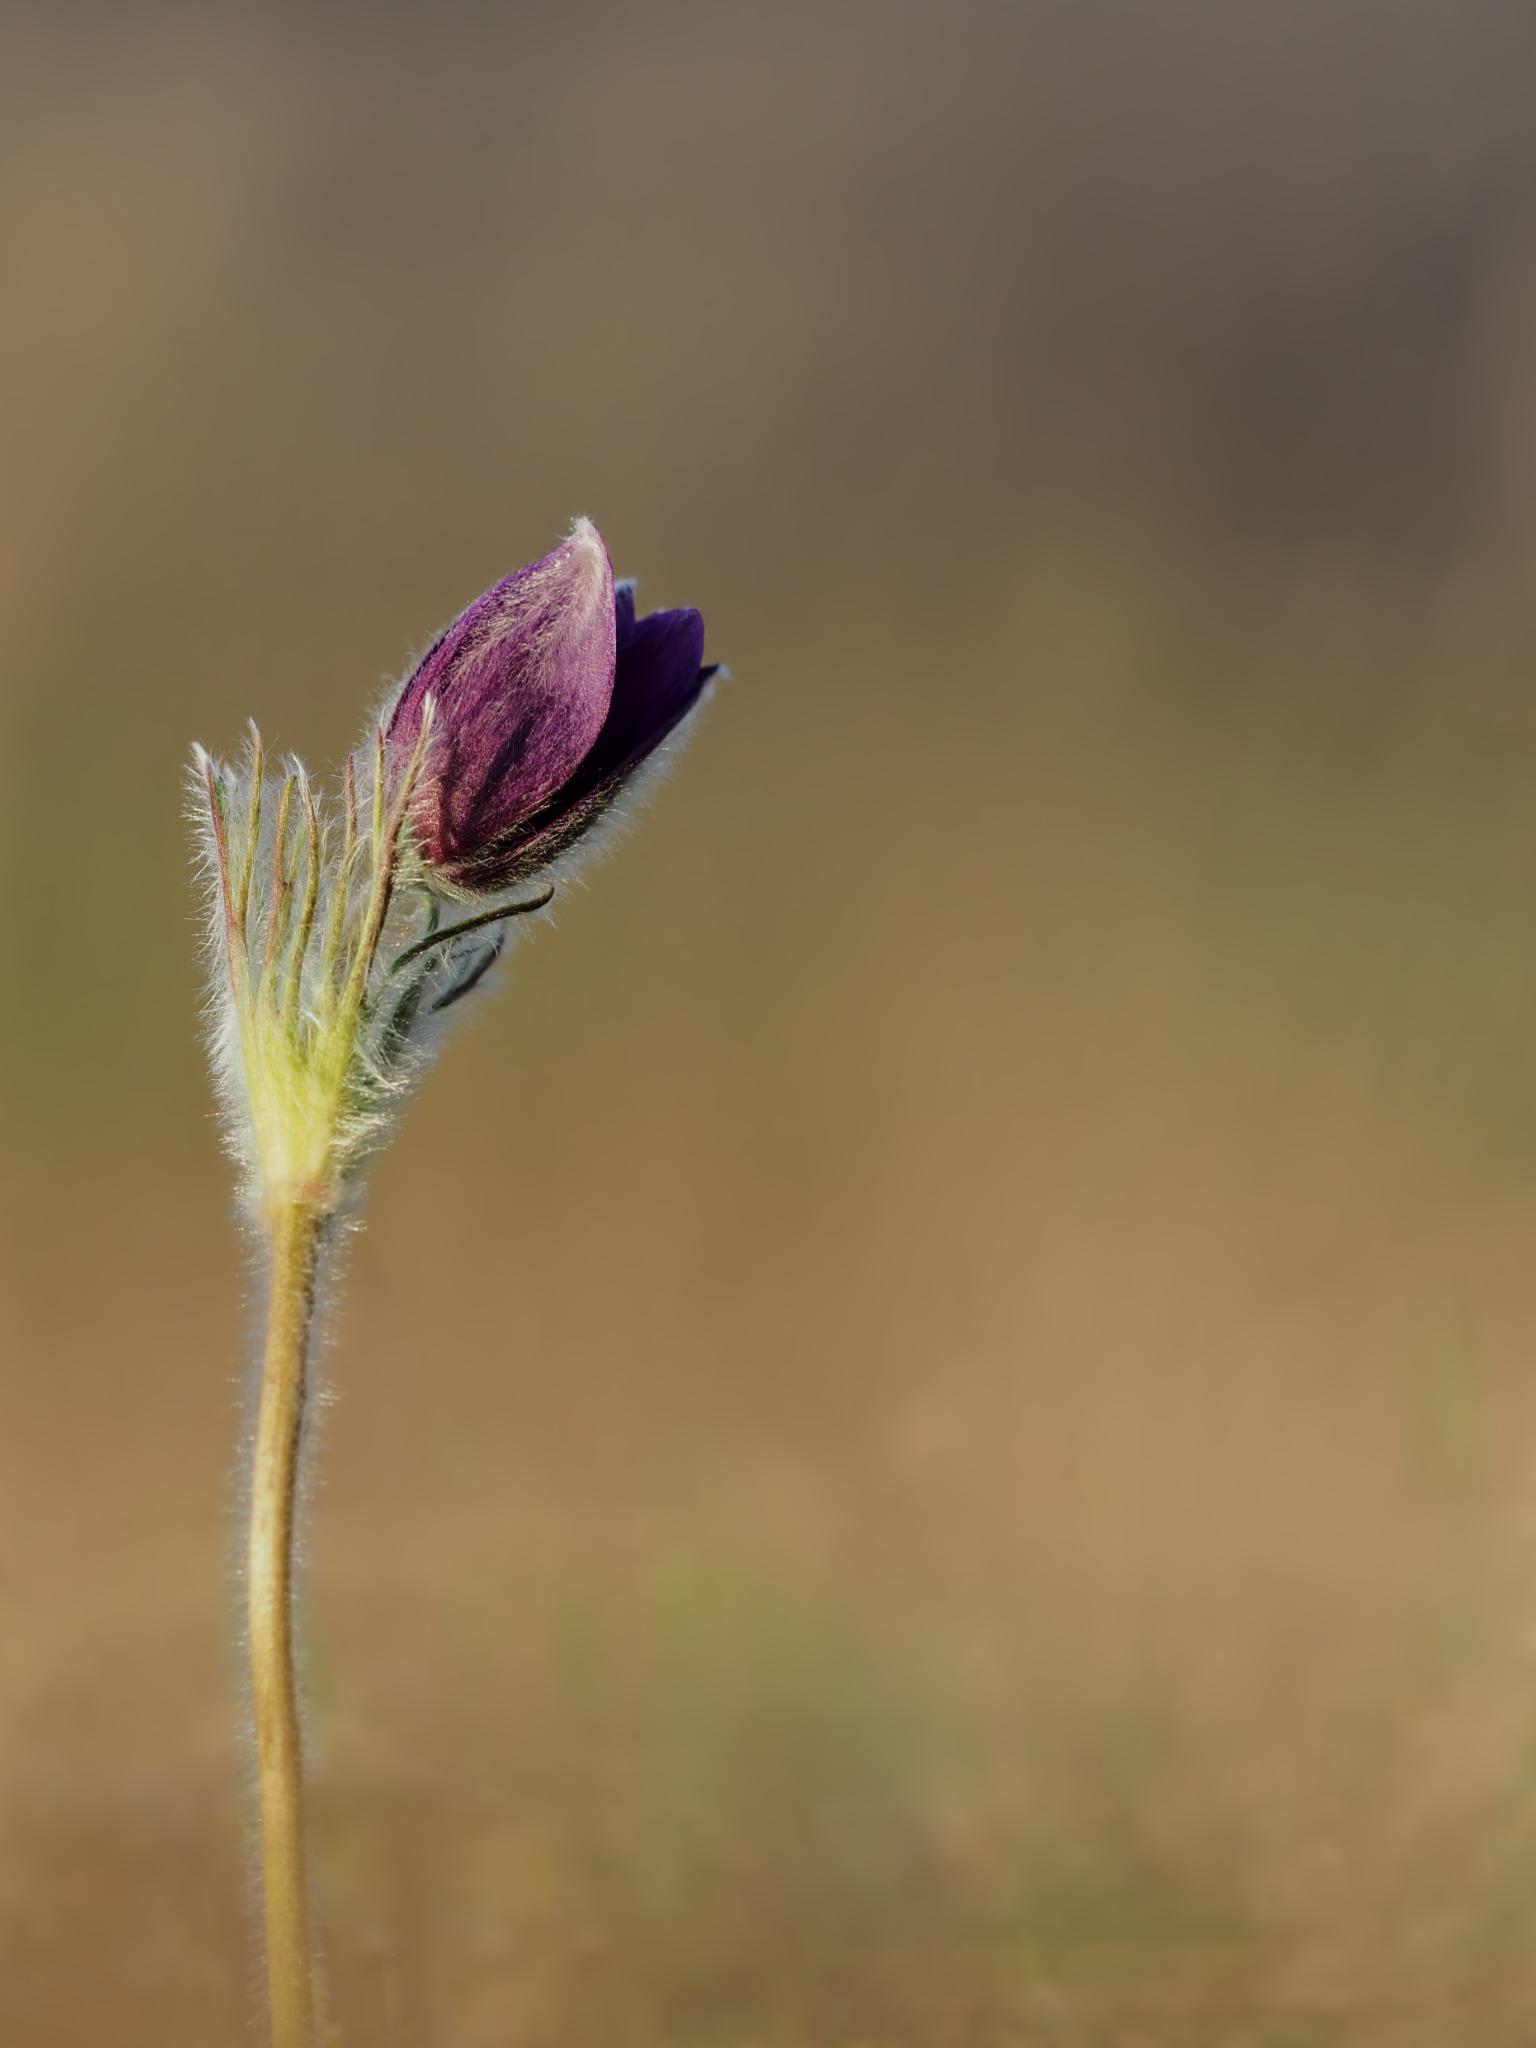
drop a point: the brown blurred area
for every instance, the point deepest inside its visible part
(934, 1429)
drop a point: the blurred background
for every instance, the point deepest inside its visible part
(933, 1431)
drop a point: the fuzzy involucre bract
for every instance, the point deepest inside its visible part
(329, 968)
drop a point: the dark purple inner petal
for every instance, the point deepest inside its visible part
(657, 679)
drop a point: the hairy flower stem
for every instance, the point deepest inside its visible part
(296, 1227)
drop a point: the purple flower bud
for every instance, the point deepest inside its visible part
(549, 694)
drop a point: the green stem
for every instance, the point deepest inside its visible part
(296, 1226)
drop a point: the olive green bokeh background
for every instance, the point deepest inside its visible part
(934, 1435)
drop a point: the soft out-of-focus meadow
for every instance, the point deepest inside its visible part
(934, 1426)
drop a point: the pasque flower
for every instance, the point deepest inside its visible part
(548, 694)
(342, 930)
(332, 962)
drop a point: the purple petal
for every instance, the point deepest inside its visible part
(658, 675)
(522, 682)
(659, 678)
